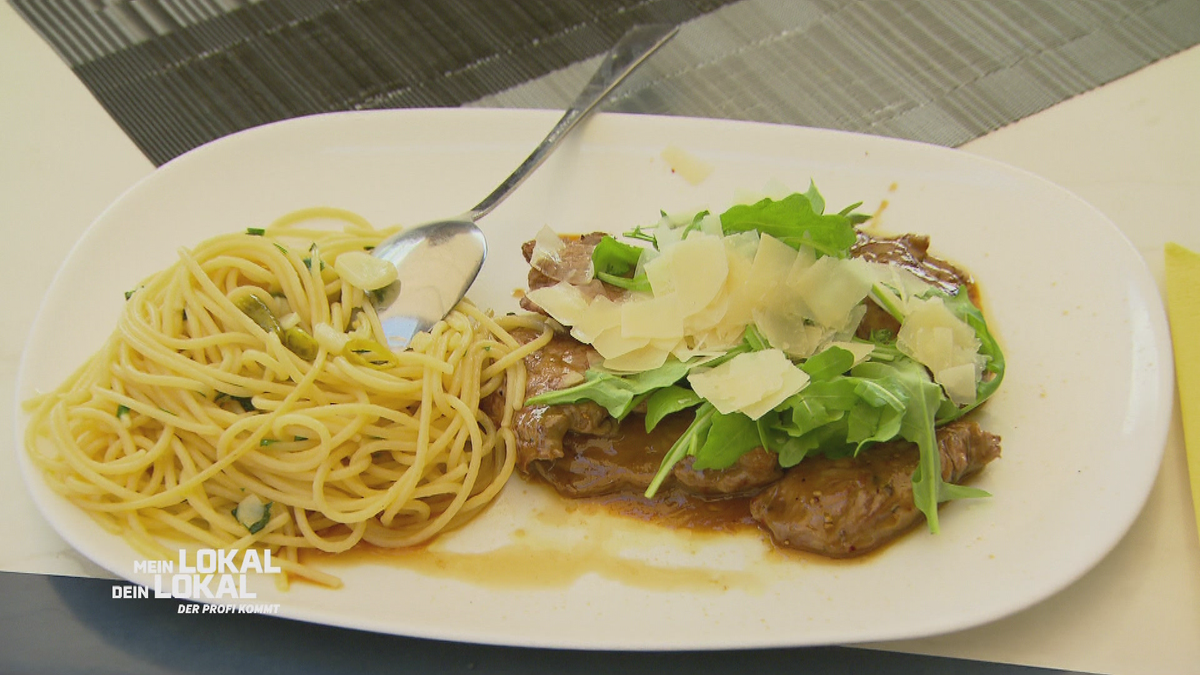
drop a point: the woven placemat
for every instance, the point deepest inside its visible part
(178, 73)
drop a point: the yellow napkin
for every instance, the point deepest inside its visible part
(1183, 306)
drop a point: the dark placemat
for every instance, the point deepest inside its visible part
(177, 73)
(65, 625)
(938, 71)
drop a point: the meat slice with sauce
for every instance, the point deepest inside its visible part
(910, 252)
(846, 507)
(836, 508)
(627, 460)
(573, 264)
(751, 472)
(540, 430)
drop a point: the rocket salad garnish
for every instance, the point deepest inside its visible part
(747, 320)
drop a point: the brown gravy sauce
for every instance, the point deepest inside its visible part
(565, 540)
(561, 540)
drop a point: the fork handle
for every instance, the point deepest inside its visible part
(625, 56)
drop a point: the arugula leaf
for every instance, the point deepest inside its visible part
(855, 218)
(881, 392)
(795, 220)
(669, 400)
(814, 198)
(640, 283)
(917, 425)
(829, 439)
(608, 390)
(614, 263)
(817, 404)
(887, 301)
(641, 234)
(828, 363)
(755, 339)
(694, 225)
(616, 258)
(729, 437)
(687, 444)
(839, 416)
(618, 394)
(867, 424)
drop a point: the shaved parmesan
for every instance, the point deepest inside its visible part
(959, 383)
(650, 318)
(769, 266)
(547, 245)
(708, 318)
(742, 246)
(944, 343)
(805, 257)
(831, 287)
(611, 343)
(793, 381)
(643, 358)
(562, 301)
(698, 267)
(711, 225)
(751, 383)
(600, 315)
(789, 332)
(904, 284)
(660, 273)
(705, 289)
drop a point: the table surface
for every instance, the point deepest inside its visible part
(1131, 148)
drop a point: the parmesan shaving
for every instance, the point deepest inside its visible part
(562, 301)
(939, 340)
(751, 383)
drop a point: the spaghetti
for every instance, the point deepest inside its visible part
(250, 378)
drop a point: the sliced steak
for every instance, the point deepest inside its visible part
(846, 507)
(540, 429)
(911, 252)
(876, 318)
(572, 264)
(625, 461)
(752, 471)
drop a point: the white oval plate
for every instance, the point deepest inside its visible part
(1083, 411)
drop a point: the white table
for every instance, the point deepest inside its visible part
(1131, 148)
